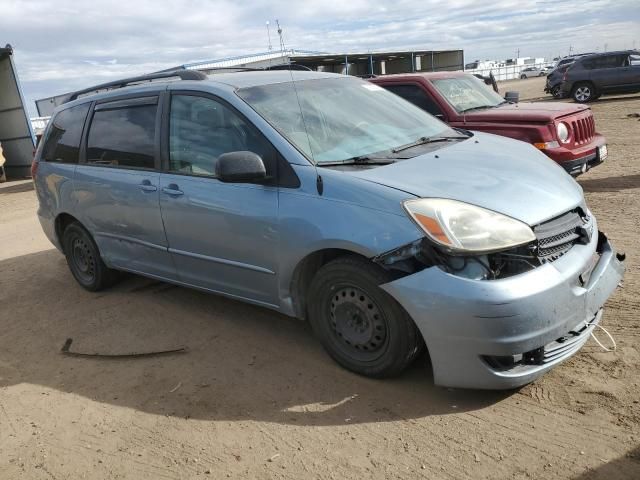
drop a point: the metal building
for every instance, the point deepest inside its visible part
(16, 135)
(370, 63)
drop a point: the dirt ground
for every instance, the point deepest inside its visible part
(256, 396)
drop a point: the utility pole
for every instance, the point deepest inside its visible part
(269, 36)
(605, 47)
(282, 47)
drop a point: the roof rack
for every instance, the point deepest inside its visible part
(183, 74)
(288, 66)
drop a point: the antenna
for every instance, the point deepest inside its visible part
(269, 36)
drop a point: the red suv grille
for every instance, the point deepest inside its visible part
(583, 130)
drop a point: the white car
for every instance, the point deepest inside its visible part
(530, 72)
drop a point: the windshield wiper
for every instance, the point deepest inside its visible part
(359, 160)
(481, 107)
(425, 140)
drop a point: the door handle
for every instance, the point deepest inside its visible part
(146, 186)
(172, 189)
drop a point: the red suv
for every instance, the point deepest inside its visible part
(564, 132)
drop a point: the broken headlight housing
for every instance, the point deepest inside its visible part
(467, 229)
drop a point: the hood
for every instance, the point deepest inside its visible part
(525, 112)
(497, 173)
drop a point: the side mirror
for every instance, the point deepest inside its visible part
(512, 97)
(240, 167)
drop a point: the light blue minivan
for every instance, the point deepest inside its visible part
(328, 198)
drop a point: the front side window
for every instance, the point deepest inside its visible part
(123, 137)
(417, 96)
(64, 134)
(201, 129)
(336, 119)
(466, 93)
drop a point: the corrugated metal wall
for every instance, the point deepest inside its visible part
(16, 135)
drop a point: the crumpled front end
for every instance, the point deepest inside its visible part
(503, 333)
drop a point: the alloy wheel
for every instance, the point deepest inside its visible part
(582, 93)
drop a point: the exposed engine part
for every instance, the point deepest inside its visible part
(554, 238)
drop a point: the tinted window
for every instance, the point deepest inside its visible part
(201, 129)
(123, 137)
(417, 96)
(610, 61)
(63, 138)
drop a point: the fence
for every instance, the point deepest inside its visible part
(508, 72)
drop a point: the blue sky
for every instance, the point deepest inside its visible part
(69, 44)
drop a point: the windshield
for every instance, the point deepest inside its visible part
(466, 93)
(341, 118)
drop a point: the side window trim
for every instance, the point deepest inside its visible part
(132, 102)
(128, 101)
(285, 176)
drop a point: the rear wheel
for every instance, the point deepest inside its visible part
(583, 92)
(360, 325)
(83, 258)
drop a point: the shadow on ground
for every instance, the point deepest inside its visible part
(610, 184)
(244, 362)
(627, 466)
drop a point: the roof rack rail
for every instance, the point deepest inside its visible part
(183, 74)
(288, 66)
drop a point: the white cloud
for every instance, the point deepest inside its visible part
(68, 44)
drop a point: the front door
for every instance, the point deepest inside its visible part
(222, 236)
(116, 187)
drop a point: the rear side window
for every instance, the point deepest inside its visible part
(63, 138)
(417, 96)
(610, 61)
(123, 137)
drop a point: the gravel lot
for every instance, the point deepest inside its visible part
(256, 397)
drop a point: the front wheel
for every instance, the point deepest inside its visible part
(556, 92)
(359, 324)
(523, 76)
(583, 92)
(83, 258)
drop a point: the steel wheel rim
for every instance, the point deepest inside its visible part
(358, 325)
(583, 93)
(84, 264)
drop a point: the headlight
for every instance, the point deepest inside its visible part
(563, 132)
(463, 227)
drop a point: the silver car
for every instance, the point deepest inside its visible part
(330, 199)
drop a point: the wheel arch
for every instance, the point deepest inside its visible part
(306, 269)
(62, 221)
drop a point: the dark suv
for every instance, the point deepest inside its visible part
(594, 75)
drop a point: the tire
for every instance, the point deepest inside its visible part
(556, 92)
(84, 260)
(523, 77)
(361, 327)
(583, 92)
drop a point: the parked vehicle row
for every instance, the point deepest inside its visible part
(329, 198)
(585, 78)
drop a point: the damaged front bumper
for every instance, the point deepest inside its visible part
(500, 334)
